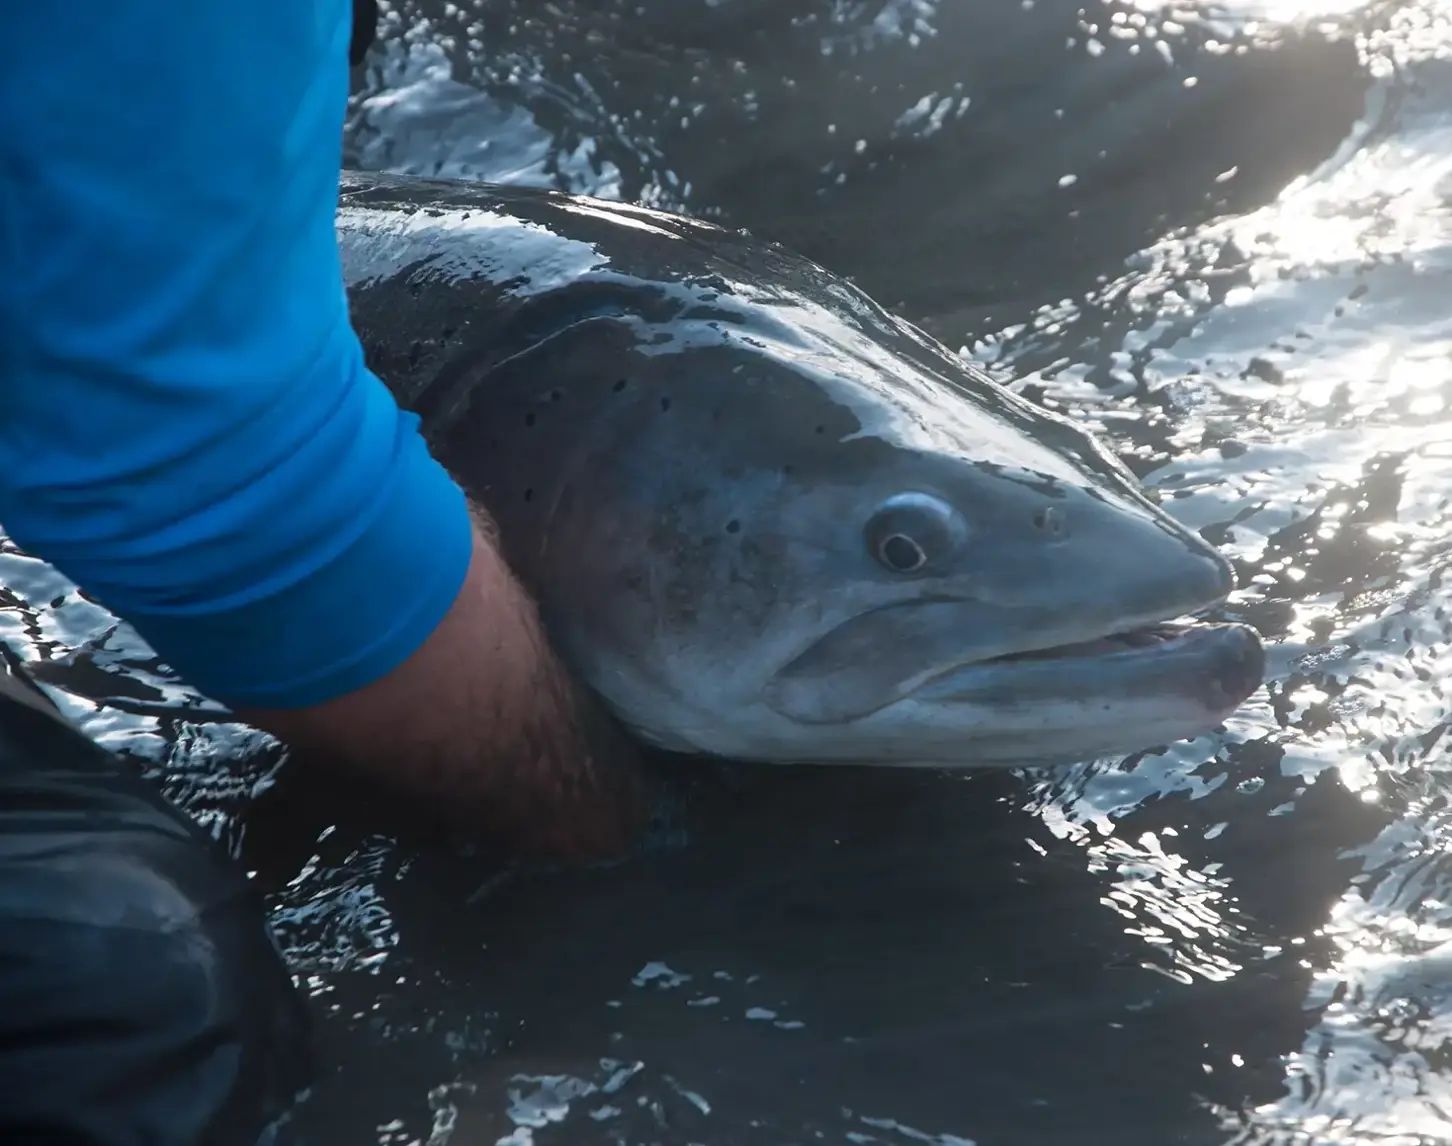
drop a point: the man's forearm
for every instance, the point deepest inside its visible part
(191, 434)
(483, 724)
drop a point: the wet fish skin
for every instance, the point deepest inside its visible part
(764, 518)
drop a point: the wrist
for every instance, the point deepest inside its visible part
(483, 726)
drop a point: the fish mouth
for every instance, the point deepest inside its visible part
(1219, 665)
(1191, 671)
(1164, 635)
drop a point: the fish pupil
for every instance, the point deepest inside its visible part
(902, 553)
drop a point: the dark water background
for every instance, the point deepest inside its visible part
(1222, 236)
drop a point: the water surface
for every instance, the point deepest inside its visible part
(1220, 235)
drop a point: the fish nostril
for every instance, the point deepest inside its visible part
(1051, 520)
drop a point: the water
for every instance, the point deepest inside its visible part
(1245, 283)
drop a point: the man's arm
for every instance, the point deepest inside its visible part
(190, 432)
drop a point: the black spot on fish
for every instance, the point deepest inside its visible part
(619, 386)
(733, 526)
(821, 429)
(529, 495)
(1049, 520)
(555, 395)
(665, 404)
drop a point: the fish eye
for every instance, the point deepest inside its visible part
(909, 531)
(901, 553)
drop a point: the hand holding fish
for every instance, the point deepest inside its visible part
(484, 727)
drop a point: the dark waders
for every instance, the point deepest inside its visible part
(142, 1000)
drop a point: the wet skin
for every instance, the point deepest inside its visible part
(764, 518)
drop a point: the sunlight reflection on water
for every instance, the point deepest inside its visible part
(1283, 376)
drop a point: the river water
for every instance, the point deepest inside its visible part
(1220, 235)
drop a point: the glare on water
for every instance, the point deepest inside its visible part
(1281, 371)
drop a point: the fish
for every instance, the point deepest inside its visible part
(764, 518)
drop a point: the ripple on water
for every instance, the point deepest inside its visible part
(1303, 356)
(1281, 373)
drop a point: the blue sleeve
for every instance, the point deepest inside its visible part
(188, 429)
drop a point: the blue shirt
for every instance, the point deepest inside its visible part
(188, 430)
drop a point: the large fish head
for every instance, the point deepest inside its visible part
(802, 550)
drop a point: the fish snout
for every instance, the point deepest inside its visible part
(1048, 544)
